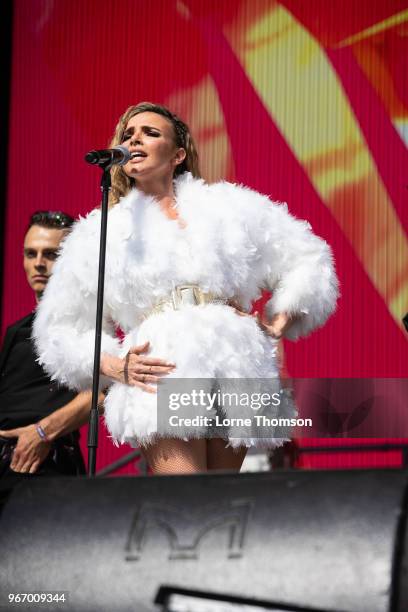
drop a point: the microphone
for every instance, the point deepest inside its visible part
(108, 157)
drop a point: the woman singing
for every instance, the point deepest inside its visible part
(181, 256)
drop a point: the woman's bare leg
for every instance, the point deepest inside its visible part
(221, 458)
(175, 456)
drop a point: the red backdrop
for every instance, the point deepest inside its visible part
(305, 101)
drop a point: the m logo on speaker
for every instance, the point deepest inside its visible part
(185, 530)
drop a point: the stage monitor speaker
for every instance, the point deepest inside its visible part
(330, 541)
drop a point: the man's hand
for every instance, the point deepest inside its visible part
(30, 449)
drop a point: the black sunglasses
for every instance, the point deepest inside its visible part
(52, 218)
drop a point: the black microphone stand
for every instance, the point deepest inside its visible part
(94, 414)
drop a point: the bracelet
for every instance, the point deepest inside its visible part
(41, 433)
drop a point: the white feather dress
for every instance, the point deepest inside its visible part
(235, 243)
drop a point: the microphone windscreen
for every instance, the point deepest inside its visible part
(126, 155)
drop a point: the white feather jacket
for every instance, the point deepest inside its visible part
(235, 243)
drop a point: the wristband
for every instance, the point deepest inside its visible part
(41, 433)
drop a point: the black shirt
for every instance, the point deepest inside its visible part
(26, 392)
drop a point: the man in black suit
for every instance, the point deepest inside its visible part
(39, 419)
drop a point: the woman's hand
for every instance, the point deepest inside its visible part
(275, 328)
(136, 369)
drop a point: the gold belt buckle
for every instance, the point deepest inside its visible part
(186, 294)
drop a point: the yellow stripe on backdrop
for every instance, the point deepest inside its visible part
(297, 84)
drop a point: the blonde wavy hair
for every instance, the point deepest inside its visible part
(121, 183)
